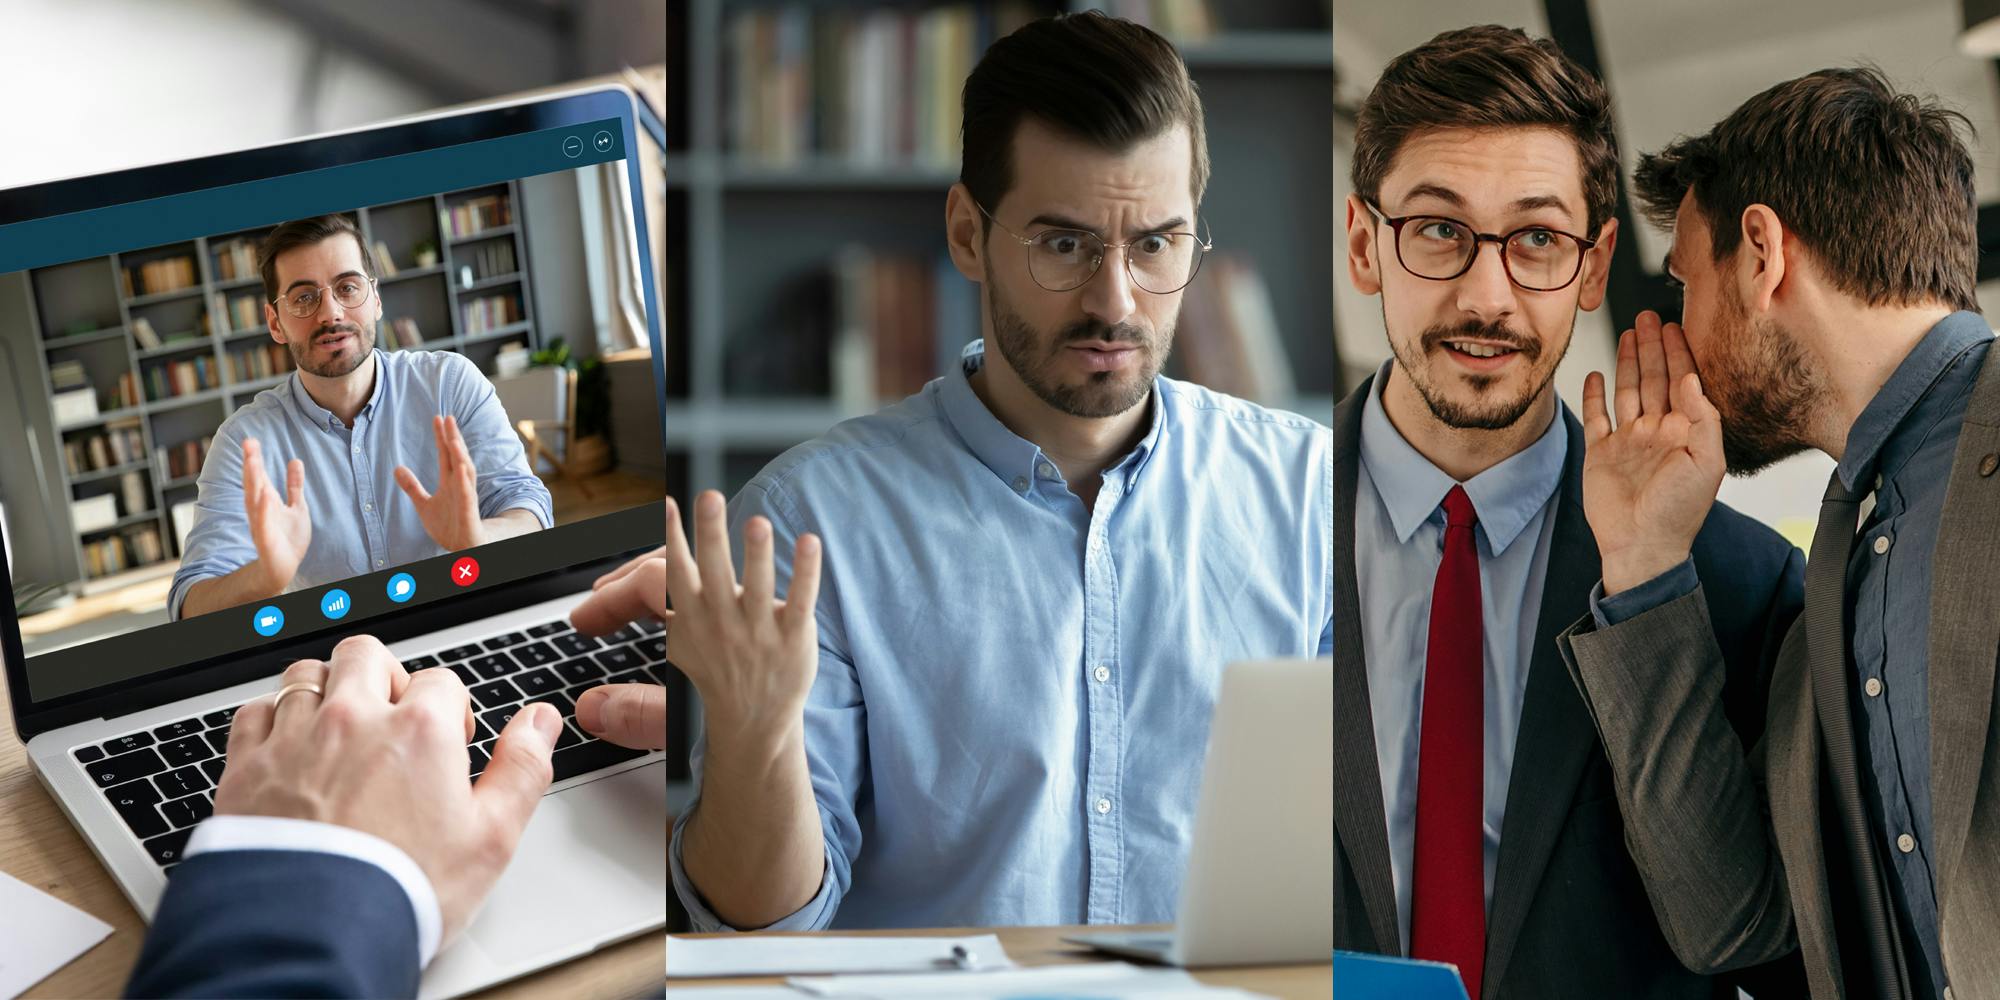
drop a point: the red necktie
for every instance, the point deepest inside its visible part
(1448, 903)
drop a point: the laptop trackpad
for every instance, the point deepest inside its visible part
(591, 868)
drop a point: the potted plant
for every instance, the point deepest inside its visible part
(426, 254)
(589, 451)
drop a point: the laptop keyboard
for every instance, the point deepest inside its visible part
(161, 782)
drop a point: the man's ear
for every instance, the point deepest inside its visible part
(1597, 267)
(963, 233)
(271, 323)
(1761, 259)
(1364, 261)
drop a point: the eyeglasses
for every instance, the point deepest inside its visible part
(1063, 259)
(1537, 258)
(350, 292)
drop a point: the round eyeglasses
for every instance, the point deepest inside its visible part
(1537, 258)
(1064, 259)
(349, 291)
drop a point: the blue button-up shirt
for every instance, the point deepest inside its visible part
(362, 521)
(1014, 689)
(1398, 545)
(1900, 447)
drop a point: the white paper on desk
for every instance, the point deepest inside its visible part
(38, 935)
(733, 993)
(1098, 981)
(774, 955)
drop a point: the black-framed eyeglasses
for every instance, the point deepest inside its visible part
(350, 291)
(1064, 259)
(1440, 248)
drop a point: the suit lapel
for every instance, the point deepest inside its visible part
(1357, 777)
(1965, 622)
(1791, 775)
(1556, 736)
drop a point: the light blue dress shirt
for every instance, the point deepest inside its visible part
(362, 521)
(1014, 689)
(1398, 544)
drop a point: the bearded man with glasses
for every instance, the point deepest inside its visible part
(1475, 818)
(386, 457)
(992, 706)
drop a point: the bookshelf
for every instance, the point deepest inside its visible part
(144, 354)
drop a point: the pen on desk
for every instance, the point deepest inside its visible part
(960, 959)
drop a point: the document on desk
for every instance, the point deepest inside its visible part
(777, 955)
(38, 935)
(1097, 981)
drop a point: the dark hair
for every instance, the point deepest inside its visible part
(1489, 77)
(305, 233)
(1099, 78)
(1876, 183)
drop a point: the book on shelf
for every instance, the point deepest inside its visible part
(179, 461)
(134, 494)
(143, 332)
(67, 375)
(473, 216)
(181, 378)
(384, 262)
(899, 320)
(490, 260)
(866, 85)
(244, 312)
(1179, 20)
(117, 444)
(126, 394)
(170, 274)
(131, 549)
(403, 334)
(259, 361)
(1228, 336)
(490, 312)
(235, 259)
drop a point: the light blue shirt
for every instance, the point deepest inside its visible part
(1014, 689)
(1398, 544)
(362, 521)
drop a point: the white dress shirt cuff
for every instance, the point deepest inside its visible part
(274, 833)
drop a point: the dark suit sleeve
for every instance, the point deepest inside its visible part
(258, 923)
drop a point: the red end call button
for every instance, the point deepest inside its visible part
(465, 572)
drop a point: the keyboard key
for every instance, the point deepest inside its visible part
(563, 705)
(188, 811)
(126, 766)
(535, 654)
(547, 629)
(496, 665)
(134, 801)
(422, 663)
(622, 636)
(618, 658)
(220, 718)
(166, 849)
(176, 730)
(218, 738)
(659, 671)
(538, 682)
(186, 750)
(629, 677)
(88, 755)
(479, 756)
(497, 719)
(650, 626)
(572, 644)
(503, 641)
(568, 739)
(456, 653)
(213, 768)
(127, 744)
(589, 756)
(494, 694)
(465, 674)
(180, 781)
(480, 734)
(652, 649)
(580, 671)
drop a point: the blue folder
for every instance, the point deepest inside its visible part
(1358, 976)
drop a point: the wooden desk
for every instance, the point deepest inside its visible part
(1033, 946)
(40, 847)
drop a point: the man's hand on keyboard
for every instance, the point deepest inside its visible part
(383, 752)
(633, 715)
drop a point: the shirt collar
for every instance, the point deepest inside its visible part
(1876, 441)
(1010, 456)
(1505, 497)
(309, 407)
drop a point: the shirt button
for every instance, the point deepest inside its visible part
(1906, 843)
(1873, 687)
(357, 449)
(1020, 484)
(1045, 470)
(1102, 674)
(1103, 806)
(1881, 544)
(368, 507)
(378, 562)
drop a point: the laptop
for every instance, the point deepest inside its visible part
(1259, 883)
(132, 328)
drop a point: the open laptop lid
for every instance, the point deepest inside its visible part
(134, 328)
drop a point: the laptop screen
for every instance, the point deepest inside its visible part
(282, 406)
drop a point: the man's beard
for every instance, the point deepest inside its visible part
(1763, 385)
(1103, 394)
(1487, 413)
(335, 367)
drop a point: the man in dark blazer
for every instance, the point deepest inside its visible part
(1495, 841)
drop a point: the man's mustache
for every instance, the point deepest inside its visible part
(1436, 336)
(336, 328)
(1092, 330)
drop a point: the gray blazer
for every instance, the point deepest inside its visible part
(1731, 844)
